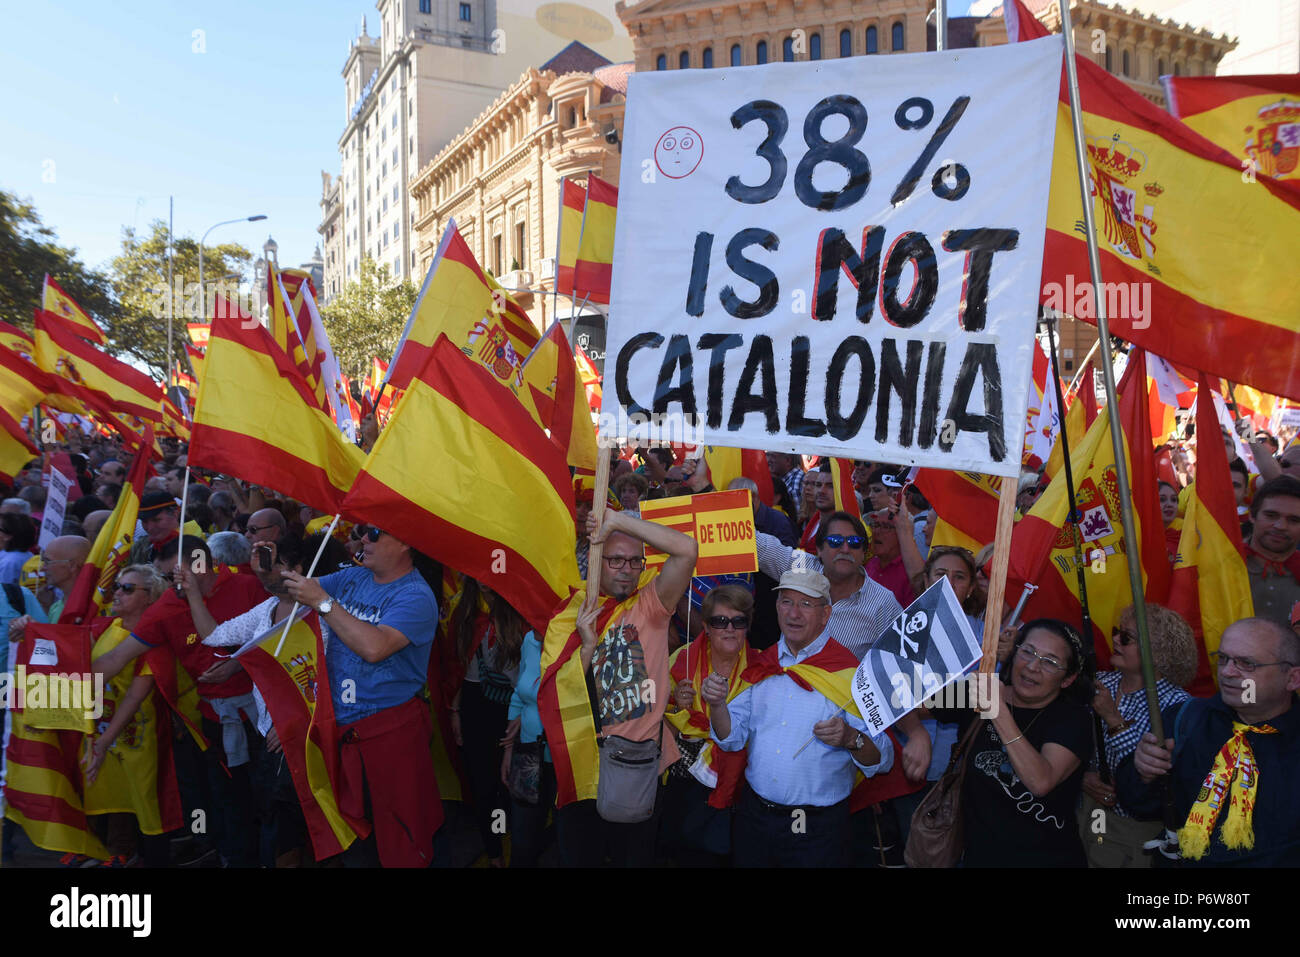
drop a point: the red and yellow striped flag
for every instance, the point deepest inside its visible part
(11, 337)
(288, 334)
(726, 768)
(514, 510)
(115, 384)
(257, 419)
(295, 685)
(594, 266)
(1194, 261)
(965, 506)
(68, 314)
(726, 464)
(16, 447)
(44, 793)
(846, 499)
(1254, 117)
(573, 199)
(1042, 546)
(472, 310)
(198, 332)
(552, 394)
(590, 380)
(1210, 586)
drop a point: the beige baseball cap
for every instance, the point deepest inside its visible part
(810, 583)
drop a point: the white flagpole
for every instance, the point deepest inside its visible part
(288, 622)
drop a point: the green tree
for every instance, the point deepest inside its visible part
(139, 275)
(367, 318)
(28, 251)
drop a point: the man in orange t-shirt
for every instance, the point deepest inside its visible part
(627, 676)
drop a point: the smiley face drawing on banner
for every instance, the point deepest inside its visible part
(678, 152)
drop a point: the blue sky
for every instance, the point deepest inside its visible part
(117, 107)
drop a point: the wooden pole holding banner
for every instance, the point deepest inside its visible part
(596, 553)
(998, 579)
(1108, 379)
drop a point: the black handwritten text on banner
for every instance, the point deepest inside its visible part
(839, 256)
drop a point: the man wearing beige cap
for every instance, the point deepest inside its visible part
(804, 737)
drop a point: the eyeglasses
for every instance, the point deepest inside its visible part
(368, 532)
(126, 587)
(720, 622)
(854, 541)
(1245, 665)
(254, 529)
(1122, 637)
(618, 561)
(1029, 655)
(806, 604)
(54, 561)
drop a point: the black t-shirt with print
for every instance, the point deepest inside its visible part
(1005, 824)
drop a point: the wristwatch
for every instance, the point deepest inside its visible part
(326, 606)
(858, 742)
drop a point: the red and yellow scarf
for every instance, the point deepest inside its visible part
(727, 767)
(1235, 774)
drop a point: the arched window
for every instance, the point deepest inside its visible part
(706, 58)
(760, 52)
(684, 60)
(735, 54)
(846, 43)
(661, 62)
(787, 49)
(896, 38)
(872, 46)
(1124, 60)
(1110, 67)
(815, 47)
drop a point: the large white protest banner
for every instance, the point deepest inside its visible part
(840, 256)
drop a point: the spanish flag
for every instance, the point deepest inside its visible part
(118, 386)
(558, 404)
(726, 464)
(92, 592)
(139, 774)
(591, 272)
(590, 380)
(472, 481)
(295, 685)
(11, 337)
(1254, 117)
(468, 306)
(724, 769)
(60, 655)
(67, 314)
(256, 418)
(196, 357)
(1042, 545)
(562, 698)
(22, 385)
(288, 334)
(198, 333)
(846, 498)
(1210, 587)
(1195, 262)
(573, 200)
(965, 506)
(16, 446)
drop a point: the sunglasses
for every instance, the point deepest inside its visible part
(721, 622)
(126, 587)
(1122, 637)
(854, 541)
(368, 532)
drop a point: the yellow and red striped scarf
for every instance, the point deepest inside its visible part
(727, 766)
(1235, 774)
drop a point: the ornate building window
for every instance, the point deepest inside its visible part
(661, 62)
(815, 47)
(735, 54)
(684, 60)
(706, 58)
(872, 45)
(896, 38)
(760, 52)
(846, 43)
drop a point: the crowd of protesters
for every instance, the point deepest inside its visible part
(745, 744)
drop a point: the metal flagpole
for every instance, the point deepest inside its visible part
(559, 241)
(941, 24)
(1108, 379)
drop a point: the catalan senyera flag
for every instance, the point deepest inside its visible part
(723, 771)
(117, 385)
(11, 337)
(726, 463)
(722, 524)
(44, 789)
(573, 200)
(479, 317)
(514, 507)
(295, 685)
(1254, 117)
(68, 314)
(138, 775)
(965, 506)
(562, 698)
(256, 418)
(1042, 545)
(1210, 586)
(846, 498)
(92, 591)
(1178, 230)
(552, 393)
(594, 266)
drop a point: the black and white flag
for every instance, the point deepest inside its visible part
(926, 648)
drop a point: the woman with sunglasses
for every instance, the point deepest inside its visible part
(1119, 701)
(702, 785)
(131, 711)
(1025, 764)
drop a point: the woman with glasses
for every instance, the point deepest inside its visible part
(702, 785)
(1120, 702)
(1025, 764)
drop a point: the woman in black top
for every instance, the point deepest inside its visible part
(1025, 765)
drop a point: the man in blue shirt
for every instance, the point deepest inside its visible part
(379, 622)
(794, 810)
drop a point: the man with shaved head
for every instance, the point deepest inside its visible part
(265, 525)
(61, 560)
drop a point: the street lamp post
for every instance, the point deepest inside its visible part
(203, 300)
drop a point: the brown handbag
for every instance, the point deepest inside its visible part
(936, 838)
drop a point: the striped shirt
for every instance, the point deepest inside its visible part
(1133, 707)
(793, 480)
(856, 621)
